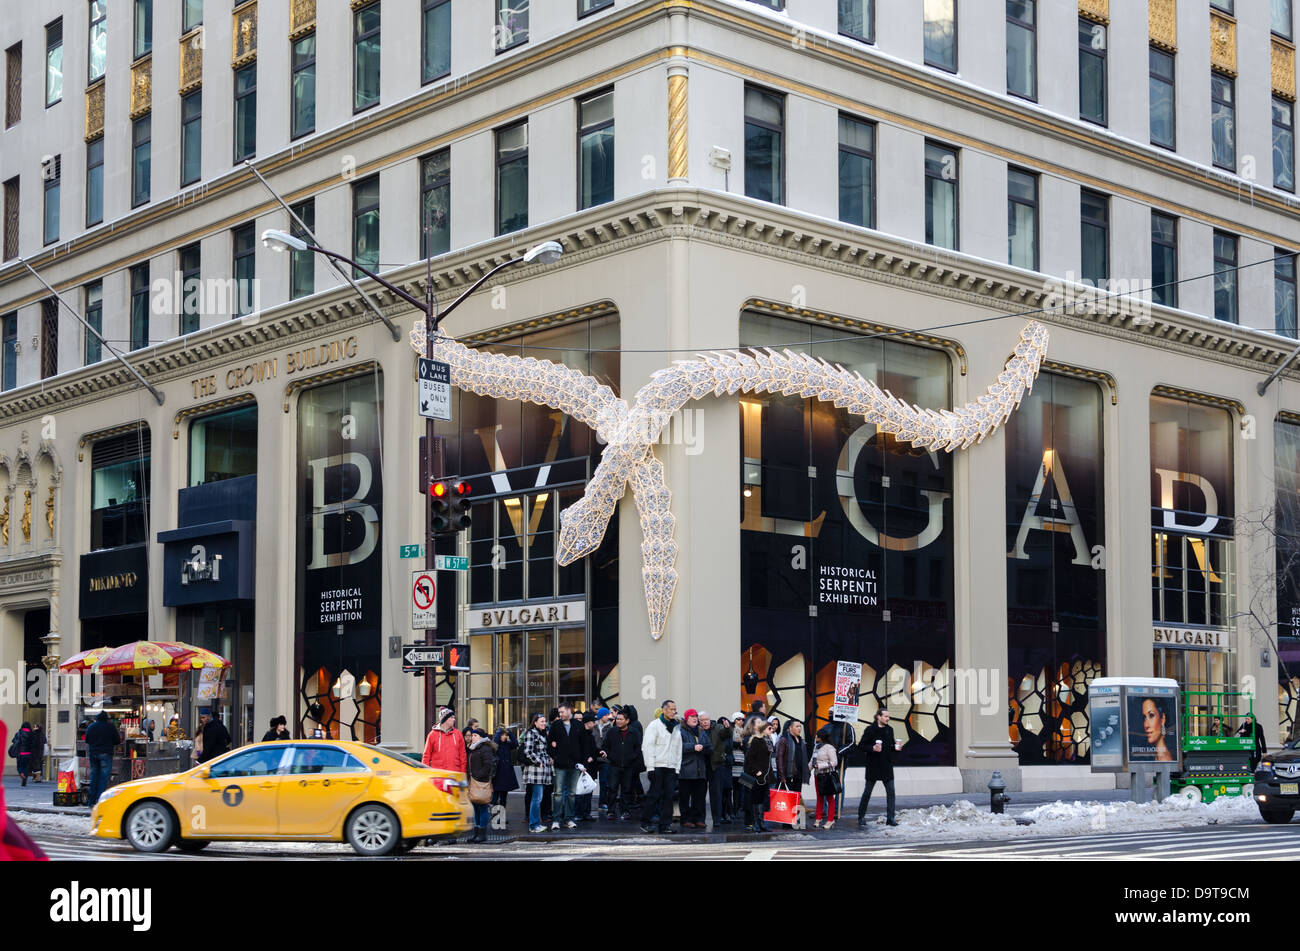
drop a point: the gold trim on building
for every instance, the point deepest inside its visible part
(141, 86)
(330, 376)
(588, 312)
(677, 128)
(243, 35)
(204, 408)
(1223, 43)
(1096, 10)
(95, 110)
(191, 68)
(1283, 69)
(358, 4)
(302, 18)
(1288, 417)
(1162, 24)
(1193, 397)
(835, 320)
(97, 435)
(1095, 376)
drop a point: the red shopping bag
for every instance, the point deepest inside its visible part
(783, 806)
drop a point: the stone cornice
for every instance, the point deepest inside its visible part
(718, 218)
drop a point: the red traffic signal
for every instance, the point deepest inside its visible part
(438, 490)
(449, 508)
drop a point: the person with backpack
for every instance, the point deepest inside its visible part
(824, 767)
(505, 781)
(539, 768)
(482, 768)
(23, 750)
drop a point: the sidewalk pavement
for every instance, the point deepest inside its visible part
(38, 797)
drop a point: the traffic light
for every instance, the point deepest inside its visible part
(449, 508)
(460, 507)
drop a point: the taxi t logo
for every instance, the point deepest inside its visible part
(232, 795)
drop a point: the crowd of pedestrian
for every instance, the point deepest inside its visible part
(691, 765)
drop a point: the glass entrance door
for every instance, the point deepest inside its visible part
(514, 674)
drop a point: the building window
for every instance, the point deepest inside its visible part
(14, 82)
(143, 27)
(95, 182)
(141, 147)
(119, 490)
(772, 4)
(1022, 49)
(1223, 5)
(435, 204)
(1281, 18)
(191, 264)
(302, 264)
(512, 178)
(98, 39)
(1092, 71)
(857, 19)
(223, 445)
(1283, 144)
(857, 172)
(243, 242)
(512, 24)
(435, 40)
(246, 112)
(591, 6)
(764, 145)
(9, 333)
(1223, 121)
(1094, 217)
(140, 306)
(11, 219)
(49, 337)
(1164, 259)
(1225, 277)
(303, 82)
(1161, 86)
(1022, 219)
(596, 150)
(940, 196)
(365, 57)
(54, 62)
(192, 16)
(95, 319)
(941, 34)
(52, 174)
(365, 224)
(1284, 284)
(192, 137)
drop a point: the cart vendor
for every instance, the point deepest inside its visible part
(174, 730)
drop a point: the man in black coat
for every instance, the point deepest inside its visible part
(216, 738)
(878, 746)
(622, 751)
(570, 744)
(102, 738)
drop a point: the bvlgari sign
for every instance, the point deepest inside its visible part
(528, 615)
(1191, 639)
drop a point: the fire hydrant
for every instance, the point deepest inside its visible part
(998, 797)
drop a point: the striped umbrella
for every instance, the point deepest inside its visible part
(137, 657)
(195, 658)
(84, 660)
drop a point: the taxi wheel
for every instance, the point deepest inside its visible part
(373, 830)
(150, 827)
(1280, 816)
(192, 845)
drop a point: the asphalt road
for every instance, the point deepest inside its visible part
(1250, 842)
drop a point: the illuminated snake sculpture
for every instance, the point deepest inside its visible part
(629, 432)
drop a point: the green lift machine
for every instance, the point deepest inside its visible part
(1216, 762)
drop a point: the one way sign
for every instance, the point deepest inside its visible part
(433, 390)
(415, 656)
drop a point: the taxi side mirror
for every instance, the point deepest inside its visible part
(204, 773)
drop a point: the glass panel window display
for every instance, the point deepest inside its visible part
(339, 559)
(1286, 543)
(841, 518)
(1056, 587)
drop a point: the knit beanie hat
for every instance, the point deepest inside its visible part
(445, 714)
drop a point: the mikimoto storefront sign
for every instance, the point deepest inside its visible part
(528, 615)
(1191, 638)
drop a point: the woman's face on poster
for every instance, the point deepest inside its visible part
(1153, 722)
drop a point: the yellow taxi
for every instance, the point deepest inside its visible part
(299, 791)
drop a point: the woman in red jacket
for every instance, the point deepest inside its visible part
(445, 747)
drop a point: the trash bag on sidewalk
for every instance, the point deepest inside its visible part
(15, 846)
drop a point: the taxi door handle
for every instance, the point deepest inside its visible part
(266, 785)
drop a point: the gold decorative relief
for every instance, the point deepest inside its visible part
(191, 61)
(95, 111)
(358, 4)
(302, 17)
(243, 40)
(677, 125)
(141, 87)
(1095, 10)
(1162, 23)
(1223, 43)
(1283, 69)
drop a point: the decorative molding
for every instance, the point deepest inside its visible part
(302, 18)
(1191, 396)
(1096, 376)
(243, 35)
(678, 164)
(99, 434)
(342, 373)
(191, 69)
(1096, 10)
(1283, 69)
(95, 110)
(1289, 417)
(358, 4)
(1223, 43)
(1162, 24)
(588, 312)
(204, 408)
(141, 86)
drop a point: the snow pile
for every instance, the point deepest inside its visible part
(1061, 818)
(962, 815)
(60, 824)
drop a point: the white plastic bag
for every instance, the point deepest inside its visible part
(586, 785)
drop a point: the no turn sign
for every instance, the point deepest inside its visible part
(424, 600)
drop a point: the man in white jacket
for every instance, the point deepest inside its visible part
(661, 747)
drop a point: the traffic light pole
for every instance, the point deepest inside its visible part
(434, 469)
